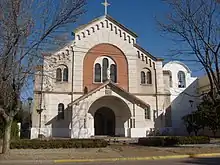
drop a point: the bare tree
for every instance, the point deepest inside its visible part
(28, 28)
(195, 25)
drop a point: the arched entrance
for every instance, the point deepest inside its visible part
(104, 121)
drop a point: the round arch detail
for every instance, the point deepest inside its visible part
(111, 51)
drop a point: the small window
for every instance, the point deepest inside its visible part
(65, 74)
(113, 73)
(97, 72)
(149, 77)
(105, 65)
(60, 115)
(181, 79)
(58, 74)
(147, 113)
(143, 77)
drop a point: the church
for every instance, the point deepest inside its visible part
(102, 84)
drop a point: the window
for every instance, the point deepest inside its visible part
(65, 74)
(146, 77)
(97, 72)
(59, 74)
(60, 115)
(147, 113)
(113, 73)
(62, 73)
(181, 79)
(149, 77)
(104, 69)
(143, 77)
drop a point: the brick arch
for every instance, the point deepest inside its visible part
(105, 50)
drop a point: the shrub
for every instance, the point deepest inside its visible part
(173, 140)
(50, 144)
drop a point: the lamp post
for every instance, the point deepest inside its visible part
(30, 99)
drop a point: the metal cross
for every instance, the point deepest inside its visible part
(106, 4)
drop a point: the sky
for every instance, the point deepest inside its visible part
(140, 17)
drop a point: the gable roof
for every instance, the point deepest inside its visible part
(120, 91)
(110, 19)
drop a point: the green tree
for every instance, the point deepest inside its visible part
(210, 114)
(193, 122)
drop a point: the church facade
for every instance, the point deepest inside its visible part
(102, 84)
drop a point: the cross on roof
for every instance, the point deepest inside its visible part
(106, 4)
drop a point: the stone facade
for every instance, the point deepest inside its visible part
(73, 91)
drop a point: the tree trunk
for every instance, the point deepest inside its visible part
(7, 137)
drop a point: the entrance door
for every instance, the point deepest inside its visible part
(104, 122)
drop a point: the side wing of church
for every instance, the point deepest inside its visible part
(103, 84)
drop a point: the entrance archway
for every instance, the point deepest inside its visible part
(104, 122)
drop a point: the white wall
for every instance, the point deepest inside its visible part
(180, 97)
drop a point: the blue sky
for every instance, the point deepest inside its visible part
(139, 16)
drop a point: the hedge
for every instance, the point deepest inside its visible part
(173, 140)
(50, 144)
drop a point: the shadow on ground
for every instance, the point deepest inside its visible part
(203, 161)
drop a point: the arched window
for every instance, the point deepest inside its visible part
(60, 115)
(147, 113)
(59, 74)
(143, 77)
(104, 69)
(113, 73)
(65, 74)
(97, 72)
(149, 77)
(181, 79)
